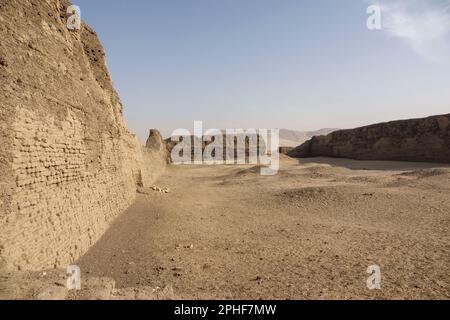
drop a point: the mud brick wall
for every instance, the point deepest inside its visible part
(422, 140)
(68, 164)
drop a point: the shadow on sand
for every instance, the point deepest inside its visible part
(372, 164)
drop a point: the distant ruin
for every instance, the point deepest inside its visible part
(426, 140)
(69, 166)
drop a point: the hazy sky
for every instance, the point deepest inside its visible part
(292, 64)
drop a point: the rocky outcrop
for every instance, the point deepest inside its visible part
(68, 164)
(423, 140)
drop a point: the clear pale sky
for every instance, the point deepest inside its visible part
(294, 64)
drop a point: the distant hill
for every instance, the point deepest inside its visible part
(292, 138)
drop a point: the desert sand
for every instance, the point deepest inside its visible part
(70, 170)
(308, 233)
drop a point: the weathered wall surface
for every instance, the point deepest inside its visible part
(426, 140)
(68, 164)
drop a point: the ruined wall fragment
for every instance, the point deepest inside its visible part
(67, 160)
(426, 140)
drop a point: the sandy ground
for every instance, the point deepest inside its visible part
(309, 232)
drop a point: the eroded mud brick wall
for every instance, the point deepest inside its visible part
(426, 139)
(68, 164)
